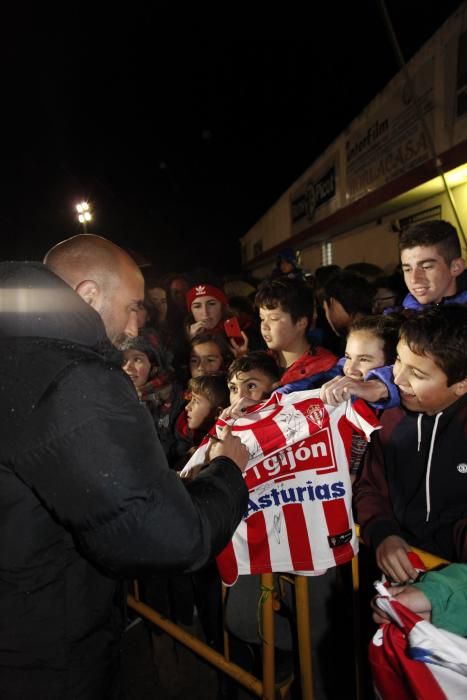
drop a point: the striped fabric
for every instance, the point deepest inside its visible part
(299, 517)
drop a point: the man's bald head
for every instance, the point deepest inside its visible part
(85, 257)
(105, 276)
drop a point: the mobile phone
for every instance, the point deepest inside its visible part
(232, 329)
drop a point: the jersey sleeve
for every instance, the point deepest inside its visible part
(362, 418)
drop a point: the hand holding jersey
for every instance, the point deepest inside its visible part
(299, 517)
(392, 559)
(227, 445)
(340, 389)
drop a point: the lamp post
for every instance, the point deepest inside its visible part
(84, 214)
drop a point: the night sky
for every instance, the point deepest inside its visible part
(179, 136)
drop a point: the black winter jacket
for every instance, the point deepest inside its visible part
(86, 496)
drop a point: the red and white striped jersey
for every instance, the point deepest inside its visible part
(299, 516)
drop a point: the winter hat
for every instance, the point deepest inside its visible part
(205, 290)
(142, 344)
(287, 254)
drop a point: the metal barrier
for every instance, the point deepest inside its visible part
(267, 688)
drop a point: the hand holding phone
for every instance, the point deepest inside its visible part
(233, 330)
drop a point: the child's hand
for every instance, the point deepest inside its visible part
(237, 408)
(392, 559)
(411, 597)
(337, 390)
(239, 349)
(196, 328)
(371, 391)
(340, 389)
(230, 446)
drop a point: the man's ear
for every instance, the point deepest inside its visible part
(460, 388)
(457, 267)
(302, 322)
(89, 291)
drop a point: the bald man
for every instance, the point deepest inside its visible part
(105, 276)
(86, 496)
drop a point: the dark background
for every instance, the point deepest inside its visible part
(181, 130)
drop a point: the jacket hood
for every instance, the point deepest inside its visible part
(34, 302)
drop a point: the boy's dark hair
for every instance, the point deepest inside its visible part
(322, 275)
(293, 296)
(353, 292)
(141, 344)
(441, 332)
(257, 359)
(384, 327)
(437, 233)
(213, 387)
(325, 272)
(219, 340)
(363, 269)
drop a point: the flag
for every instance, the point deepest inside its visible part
(412, 659)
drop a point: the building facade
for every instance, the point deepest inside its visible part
(403, 159)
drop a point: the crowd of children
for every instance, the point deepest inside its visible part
(406, 356)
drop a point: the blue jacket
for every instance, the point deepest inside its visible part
(411, 303)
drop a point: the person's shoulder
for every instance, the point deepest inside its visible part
(459, 298)
(320, 351)
(79, 404)
(320, 359)
(314, 361)
(395, 419)
(457, 411)
(396, 413)
(93, 377)
(409, 302)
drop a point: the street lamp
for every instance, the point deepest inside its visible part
(84, 214)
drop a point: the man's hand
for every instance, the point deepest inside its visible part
(229, 446)
(392, 559)
(340, 389)
(411, 597)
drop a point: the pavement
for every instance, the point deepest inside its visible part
(157, 672)
(146, 678)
